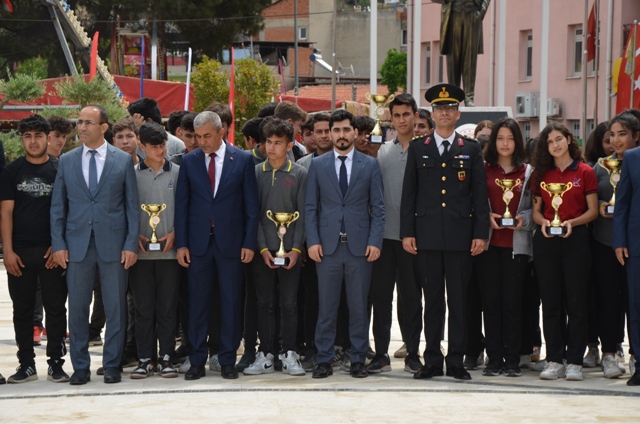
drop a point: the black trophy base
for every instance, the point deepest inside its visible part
(557, 231)
(155, 247)
(609, 210)
(281, 261)
(507, 222)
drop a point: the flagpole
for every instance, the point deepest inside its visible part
(583, 124)
(186, 94)
(597, 59)
(609, 71)
(633, 62)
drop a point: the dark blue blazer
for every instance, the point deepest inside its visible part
(626, 217)
(234, 210)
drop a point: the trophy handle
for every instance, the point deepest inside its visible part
(144, 208)
(295, 216)
(543, 186)
(368, 96)
(518, 182)
(602, 165)
(163, 207)
(390, 98)
(569, 187)
(270, 216)
(499, 183)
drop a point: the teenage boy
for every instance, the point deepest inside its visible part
(155, 278)
(125, 138)
(422, 123)
(281, 189)
(26, 185)
(57, 138)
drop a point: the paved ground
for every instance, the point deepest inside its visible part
(389, 397)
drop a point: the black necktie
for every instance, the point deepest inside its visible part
(445, 143)
(93, 173)
(344, 184)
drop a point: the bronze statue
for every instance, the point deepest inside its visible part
(461, 41)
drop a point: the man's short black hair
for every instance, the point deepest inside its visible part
(426, 115)
(267, 110)
(60, 124)
(148, 108)
(364, 124)
(279, 128)
(264, 122)
(341, 115)
(308, 124)
(404, 99)
(320, 117)
(152, 133)
(175, 120)
(252, 129)
(34, 123)
(186, 123)
(223, 112)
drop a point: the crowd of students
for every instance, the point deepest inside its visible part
(268, 246)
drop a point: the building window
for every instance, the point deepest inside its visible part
(427, 76)
(591, 126)
(526, 133)
(302, 33)
(403, 38)
(574, 126)
(526, 55)
(577, 50)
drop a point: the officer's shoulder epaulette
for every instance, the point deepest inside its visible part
(418, 138)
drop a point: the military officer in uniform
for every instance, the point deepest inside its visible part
(445, 221)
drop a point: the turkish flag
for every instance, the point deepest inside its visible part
(628, 76)
(592, 25)
(6, 5)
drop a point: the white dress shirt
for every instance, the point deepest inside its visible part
(348, 163)
(101, 156)
(219, 162)
(439, 141)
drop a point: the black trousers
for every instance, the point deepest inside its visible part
(155, 287)
(612, 295)
(563, 267)
(531, 335)
(309, 280)
(250, 328)
(501, 282)
(434, 266)
(475, 338)
(54, 297)
(395, 265)
(183, 308)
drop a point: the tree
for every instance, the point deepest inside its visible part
(394, 70)
(79, 91)
(22, 88)
(255, 86)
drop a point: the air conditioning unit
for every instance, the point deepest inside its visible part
(527, 104)
(554, 108)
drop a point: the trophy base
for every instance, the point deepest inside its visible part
(281, 261)
(557, 231)
(155, 247)
(507, 222)
(376, 139)
(609, 210)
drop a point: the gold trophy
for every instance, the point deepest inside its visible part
(507, 186)
(613, 167)
(282, 221)
(556, 191)
(379, 100)
(153, 209)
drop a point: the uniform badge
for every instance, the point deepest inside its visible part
(462, 175)
(460, 142)
(427, 141)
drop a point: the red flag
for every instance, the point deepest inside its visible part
(6, 5)
(592, 24)
(231, 98)
(628, 76)
(93, 63)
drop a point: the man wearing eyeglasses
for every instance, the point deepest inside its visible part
(444, 220)
(94, 228)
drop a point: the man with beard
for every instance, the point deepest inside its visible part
(344, 226)
(25, 200)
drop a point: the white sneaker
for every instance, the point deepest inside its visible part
(214, 364)
(539, 366)
(620, 360)
(592, 358)
(262, 365)
(574, 373)
(553, 371)
(610, 367)
(525, 361)
(632, 364)
(291, 363)
(185, 366)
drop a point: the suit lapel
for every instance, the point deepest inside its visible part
(227, 166)
(202, 168)
(454, 149)
(431, 147)
(108, 166)
(78, 169)
(356, 166)
(331, 170)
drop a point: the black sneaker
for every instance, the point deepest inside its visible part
(470, 362)
(380, 363)
(492, 370)
(129, 360)
(95, 341)
(412, 363)
(512, 369)
(24, 373)
(165, 369)
(246, 359)
(55, 372)
(309, 362)
(144, 369)
(2, 379)
(370, 354)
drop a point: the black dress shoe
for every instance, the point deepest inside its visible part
(112, 375)
(635, 379)
(428, 371)
(458, 372)
(80, 377)
(358, 370)
(323, 370)
(195, 372)
(229, 372)
(101, 370)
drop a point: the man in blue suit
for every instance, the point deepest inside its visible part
(344, 227)
(626, 243)
(94, 226)
(216, 226)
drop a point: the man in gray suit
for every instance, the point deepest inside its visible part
(94, 226)
(344, 227)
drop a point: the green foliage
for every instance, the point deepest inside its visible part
(33, 66)
(22, 88)
(255, 85)
(394, 70)
(79, 91)
(12, 144)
